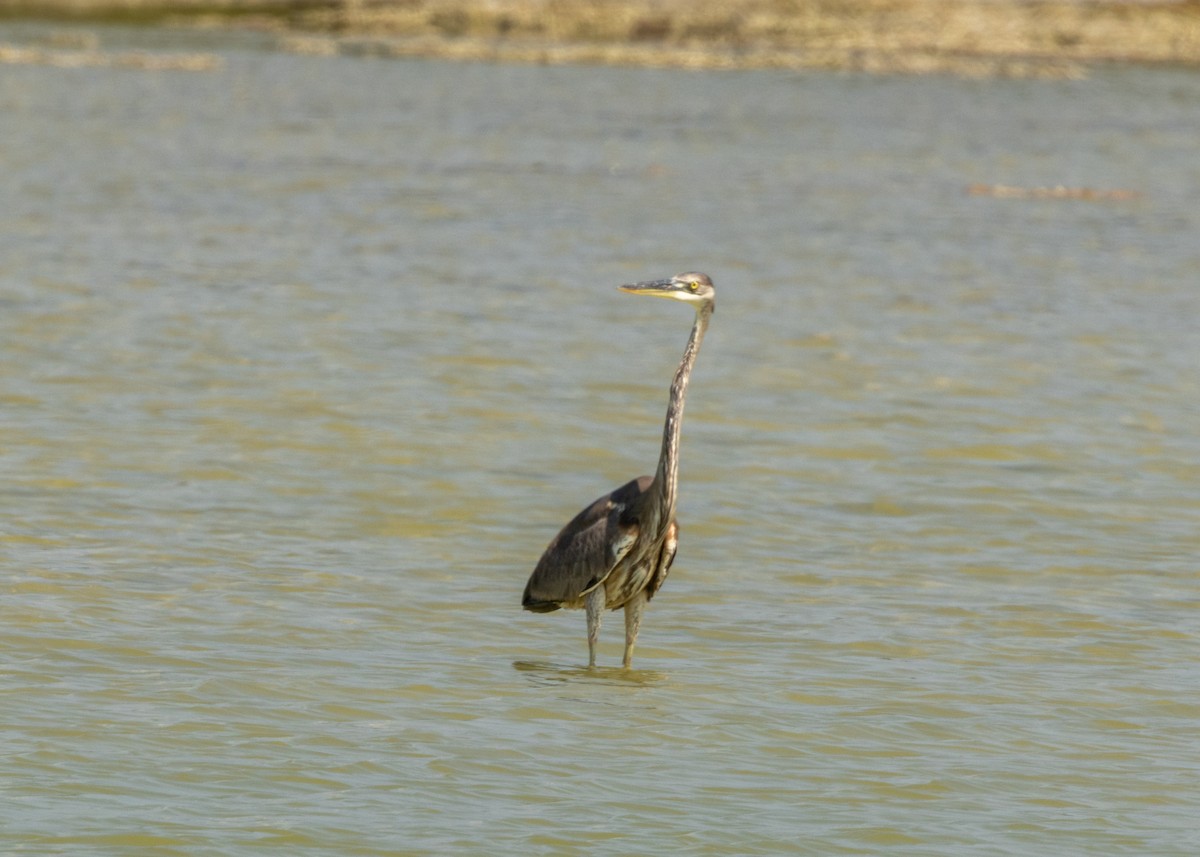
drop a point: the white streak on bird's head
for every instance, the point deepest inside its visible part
(692, 288)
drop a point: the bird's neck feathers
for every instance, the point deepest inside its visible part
(667, 476)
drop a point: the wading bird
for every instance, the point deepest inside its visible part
(617, 551)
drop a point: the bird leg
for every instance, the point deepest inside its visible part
(633, 620)
(595, 606)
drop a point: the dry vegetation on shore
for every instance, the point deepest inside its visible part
(969, 37)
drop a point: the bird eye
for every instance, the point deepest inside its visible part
(693, 285)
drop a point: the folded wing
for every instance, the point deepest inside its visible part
(586, 550)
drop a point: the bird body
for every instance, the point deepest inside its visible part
(617, 552)
(602, 547)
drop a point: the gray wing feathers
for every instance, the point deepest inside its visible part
(584, 552)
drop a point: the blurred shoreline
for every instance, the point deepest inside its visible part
(979, 38)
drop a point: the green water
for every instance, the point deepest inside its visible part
(304, 360)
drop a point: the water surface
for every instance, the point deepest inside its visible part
(304, 360)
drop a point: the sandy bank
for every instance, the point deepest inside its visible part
(969, 37)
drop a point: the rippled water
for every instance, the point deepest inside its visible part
(304, 360)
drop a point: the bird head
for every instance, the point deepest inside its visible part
(691, 288)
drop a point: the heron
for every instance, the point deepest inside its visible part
(617, 552)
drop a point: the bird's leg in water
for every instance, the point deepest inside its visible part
(633, 621)
(595, 606)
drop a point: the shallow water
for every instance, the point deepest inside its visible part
(304, 360)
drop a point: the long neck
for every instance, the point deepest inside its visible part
(667, 476)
